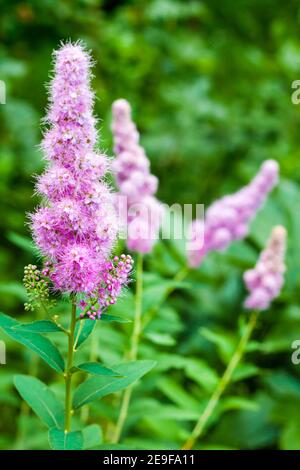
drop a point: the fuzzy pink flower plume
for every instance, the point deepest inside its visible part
(135, 182)
(265, 281)
(76, 227)
(228, 218)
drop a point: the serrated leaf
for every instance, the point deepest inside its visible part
(33, 341)
(96, 368)
(98, 387)
(61, 440)
(92, 436)
(40, 326)
(41, 399)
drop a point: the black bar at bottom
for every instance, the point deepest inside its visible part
(137, 458)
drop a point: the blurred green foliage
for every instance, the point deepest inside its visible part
(210, 86)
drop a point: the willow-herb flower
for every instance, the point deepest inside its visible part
(228, 218)
(134, 180)
(265, 281)
(76, 228)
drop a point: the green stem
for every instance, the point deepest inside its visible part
(137, 326)
(93, 356)
(222, 384)
(133, 353)
(68, 373)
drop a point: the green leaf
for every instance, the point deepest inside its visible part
(244, 371)
(178, 394)
(290, 438)
(157, 292)
(40, 326)
(224, 342)
(85, 327)
(61, 440)
(163, 339)
(41, 399)
(199, 371)
(92, 436)
(248, 429)
(33, 341)
(110, 318)
(239, 403)
(96, 368)
(13, 289)
(98, 387)
(22, 242)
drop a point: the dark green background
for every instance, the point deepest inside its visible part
(210, 86)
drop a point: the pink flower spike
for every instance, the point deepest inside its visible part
(76, 228)
(132, 174)
(228, 219)
(265, 281)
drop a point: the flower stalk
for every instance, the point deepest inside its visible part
(133, 353)
(222, 384)
(68, 373)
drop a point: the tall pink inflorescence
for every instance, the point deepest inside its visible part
(132, 172)
(77, 226)
(228, 218)
(265, 281)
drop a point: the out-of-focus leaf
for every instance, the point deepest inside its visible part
(106, 317)
(14, 289)
(22, 242)
(160, 338)
(92, 436)
(223, 341)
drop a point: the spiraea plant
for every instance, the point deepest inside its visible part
(75, 230)
(137, 186)
(264, 284)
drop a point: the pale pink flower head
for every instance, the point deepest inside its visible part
(135, 182)
(228, 219)
(265, 281)
(76, 227)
